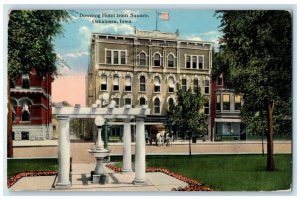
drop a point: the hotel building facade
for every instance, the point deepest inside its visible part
(144, 69)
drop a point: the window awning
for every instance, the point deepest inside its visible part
(128, 81)
(103, 80)
(156, 81)
(227, 120)
(116, 80)
(171, 82)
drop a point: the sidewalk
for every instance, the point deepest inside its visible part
(118, 182)
(80, 154)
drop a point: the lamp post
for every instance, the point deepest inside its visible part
(105, 134)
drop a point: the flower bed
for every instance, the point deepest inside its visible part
(193, 185)
(12, 180)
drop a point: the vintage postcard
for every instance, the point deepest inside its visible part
(149, 100)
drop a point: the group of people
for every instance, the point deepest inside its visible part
(163, 138)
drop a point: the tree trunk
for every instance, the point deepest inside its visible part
(190, 147)
(9, 123)
(270, 158)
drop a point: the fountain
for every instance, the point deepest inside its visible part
(98, 175)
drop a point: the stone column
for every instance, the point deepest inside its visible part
(127, 146)
(64, 153)
(140, 157)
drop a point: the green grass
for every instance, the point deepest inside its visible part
(15, 166)
(229, 172)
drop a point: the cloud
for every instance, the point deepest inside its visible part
(193, 37)
(76, 54)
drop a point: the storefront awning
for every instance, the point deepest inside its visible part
(227, 120)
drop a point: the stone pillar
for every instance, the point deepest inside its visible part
(140, 156)
(64, 153)
(127, 146)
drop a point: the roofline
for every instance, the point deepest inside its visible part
(132, 36)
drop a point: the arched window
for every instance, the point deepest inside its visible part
(116, 83)
(171, 83)
(170, 102)
(184, 84)
(206, 87)
(142, 101)
(25, 113)
(143, 59)
(127, 83)
(103, 86)
(156, 60)
(156, 84)
(156, 105)
(142, 84)
(171, 61)
(196, 86)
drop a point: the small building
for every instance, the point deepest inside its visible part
(30, 97)
(225, 112)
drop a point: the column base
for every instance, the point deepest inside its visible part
(62, 186)
(139, 182)
(126, 170)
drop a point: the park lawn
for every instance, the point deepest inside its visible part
(230, 172)
(15, 166)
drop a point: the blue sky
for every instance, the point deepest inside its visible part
(72, 47)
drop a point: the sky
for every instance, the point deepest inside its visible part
(72, 47)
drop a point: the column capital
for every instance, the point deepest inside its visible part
(127, 120)
(62, 117)
(140, 118)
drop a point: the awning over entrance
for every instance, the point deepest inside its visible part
(227, 120)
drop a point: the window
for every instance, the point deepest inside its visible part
(12, 83)
(206, 87)
(103, 86)
(218, 102)
(226, 102)
(13, 111)
(13, 136)
(123, 57)
(117, 100)
(156, 105)
(157, 60)
(25, 135)
(200, 62)
(196, 86)
(108, 57)
(156, 84)
(206, 108)
(142, 84)
(219, 80)
(25, 81)
(171, 83)
(142, 101)
(127, 83)
(25, 113)
(194, 62)
(184, 84)
(171, 102)
(237, 102)
(116, 83)
(116, 57)
(188, 62)
(127, 101)
(143, 59)
(171, 61)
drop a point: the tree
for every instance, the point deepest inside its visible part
(30, 34)
(256, 51)
(186, 115)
